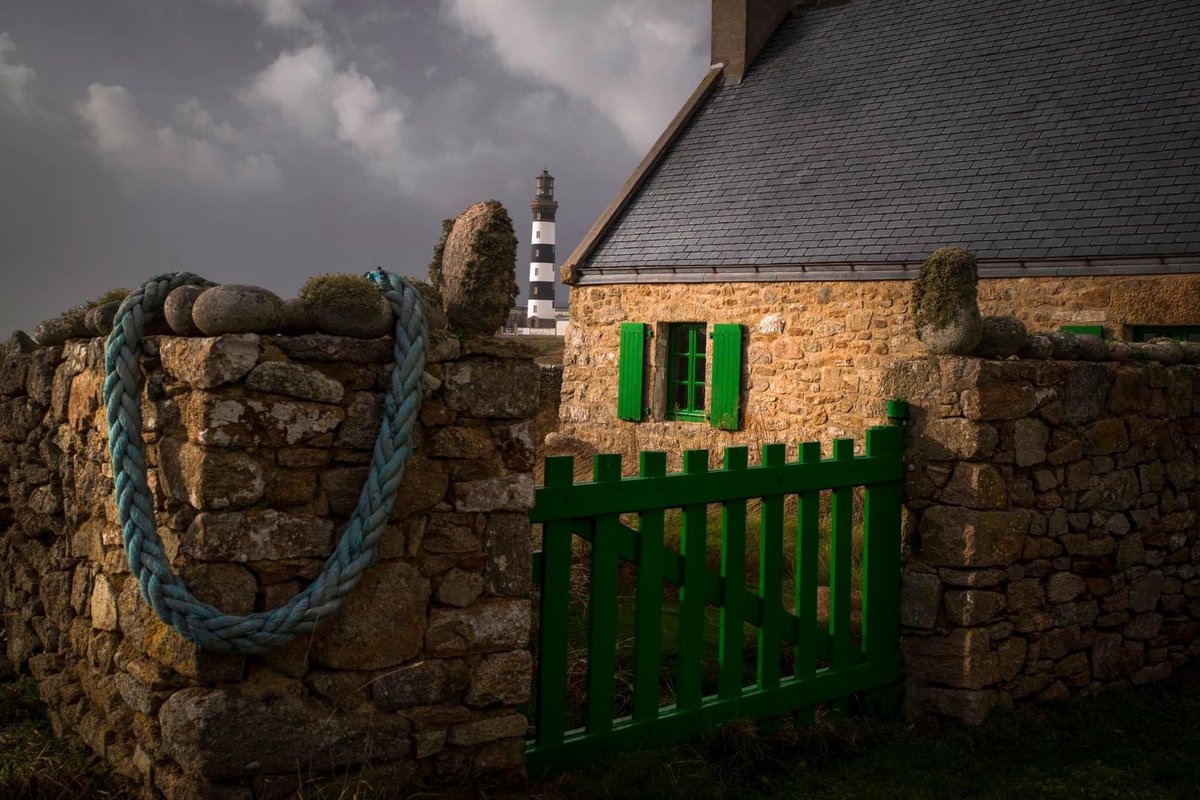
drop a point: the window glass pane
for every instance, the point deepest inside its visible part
(679, 397)
(700, 366)
(680, 344)
(699, 397)
(680, 368)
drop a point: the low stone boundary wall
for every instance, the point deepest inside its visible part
(257, 447)
(1052, 529)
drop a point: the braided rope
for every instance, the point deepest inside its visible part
(358, 547)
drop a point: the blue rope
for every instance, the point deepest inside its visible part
(358, 547)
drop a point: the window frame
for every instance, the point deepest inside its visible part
(1180, 333)
(697, 351)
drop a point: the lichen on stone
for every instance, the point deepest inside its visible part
(947, 281)
(479, 269)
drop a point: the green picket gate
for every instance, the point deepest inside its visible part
(828, 663)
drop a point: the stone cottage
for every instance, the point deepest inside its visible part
(752, 278)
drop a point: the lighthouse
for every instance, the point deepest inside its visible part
(541, 262)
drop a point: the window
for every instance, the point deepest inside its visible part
(535, 272)
(686, 362)
(696, 376)
(1180, 333)
(537, 234)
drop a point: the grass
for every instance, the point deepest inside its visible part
(34, 765)
(1132, 744)
(1139, 743)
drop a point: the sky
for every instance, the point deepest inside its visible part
(266, 141)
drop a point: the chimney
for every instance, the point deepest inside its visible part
(740, 28)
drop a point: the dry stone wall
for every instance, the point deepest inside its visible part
(257, 448)
(814, 351)
(1051, 529)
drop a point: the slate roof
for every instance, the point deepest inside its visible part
(879, 130)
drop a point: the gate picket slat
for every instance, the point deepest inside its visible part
(731, 654)
(770, 577)
(647, 641)
(808, 546)
(881, 555)
(691, 593)
(602, 606)
(841, 553)
(556, 586)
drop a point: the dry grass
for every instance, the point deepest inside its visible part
(34, 765)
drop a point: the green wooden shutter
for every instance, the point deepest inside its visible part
(725, 392)
(631, 371)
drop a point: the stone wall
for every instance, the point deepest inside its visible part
(814, 351)
(257, 447)
(1052, 532)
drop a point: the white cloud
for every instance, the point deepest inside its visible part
(14, 78)
(288, 15)
(305, 91)
(205, 158)
(634, 61)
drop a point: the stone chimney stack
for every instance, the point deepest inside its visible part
(740, 28)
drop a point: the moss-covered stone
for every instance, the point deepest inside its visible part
(346, 305)
(945, 303)
(435, 266)
(479, 269)
(111, 296)
(948, 280)
(431, 298)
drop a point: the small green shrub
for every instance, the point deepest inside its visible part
(946, 282)
(435, 266)
(111, 296)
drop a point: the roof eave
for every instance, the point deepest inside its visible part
(570, 269)
(1092, 266)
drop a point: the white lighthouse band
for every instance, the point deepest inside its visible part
(540, 310)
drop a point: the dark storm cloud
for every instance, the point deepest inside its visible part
(264, 141)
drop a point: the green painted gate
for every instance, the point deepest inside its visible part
(798, 661)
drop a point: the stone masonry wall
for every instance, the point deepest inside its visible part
(814, 351)
(258, 449)
(1052, 532)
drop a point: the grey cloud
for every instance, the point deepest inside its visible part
(631, 59)
(15, 79)
(426, 120)
(130, 145)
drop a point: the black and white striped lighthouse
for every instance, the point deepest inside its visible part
(541, 262)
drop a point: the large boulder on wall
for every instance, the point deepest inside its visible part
(1002, 337)
(945, 302)
(478, 278)
(234, 308)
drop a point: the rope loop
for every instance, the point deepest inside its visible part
(358, 547)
